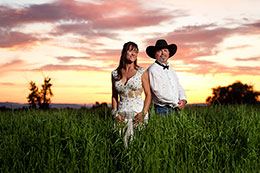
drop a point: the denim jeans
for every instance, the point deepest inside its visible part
(165, 110)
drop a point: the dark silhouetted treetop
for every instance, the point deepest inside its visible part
(43, 97)
(34, 95)
(236, 93)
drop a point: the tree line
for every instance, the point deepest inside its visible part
(236, 93)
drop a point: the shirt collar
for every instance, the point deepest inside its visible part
(162, 65)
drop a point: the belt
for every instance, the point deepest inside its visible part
(166, 106)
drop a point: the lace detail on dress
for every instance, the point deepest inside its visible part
(114, 74)
(131, 101)
(130, 93)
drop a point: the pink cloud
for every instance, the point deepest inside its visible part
(203, 40)
(133, 20)
(51, 67)
(10, 17)
(255, 26)
(97, 16)
(81, 18)
(248, 70)
(207, 67)
(104, 18)
(118, 14)
(238, 47)
(248, 59)
(195, 41)
(82, 29)
(66, 59)
(11, 39)
(14, 65)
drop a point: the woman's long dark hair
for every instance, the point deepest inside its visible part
(123, 61)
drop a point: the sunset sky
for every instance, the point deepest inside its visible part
(78, 43)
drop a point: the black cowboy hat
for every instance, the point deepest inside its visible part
(161, 44)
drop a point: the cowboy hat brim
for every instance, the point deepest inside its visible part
(150, 50)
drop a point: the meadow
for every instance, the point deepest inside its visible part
(199, 139)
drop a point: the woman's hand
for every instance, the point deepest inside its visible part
(139, 118)
(120, 119)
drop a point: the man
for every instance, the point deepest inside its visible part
(167, 93)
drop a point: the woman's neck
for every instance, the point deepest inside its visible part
(130, 67)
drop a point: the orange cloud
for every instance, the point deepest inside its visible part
(7, 84)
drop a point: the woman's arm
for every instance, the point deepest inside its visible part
(147, 92)
(114, 95)
(114, 103)
(146, 86)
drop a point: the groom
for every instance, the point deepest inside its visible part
(167, 93)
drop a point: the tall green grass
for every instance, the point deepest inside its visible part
(199, 139)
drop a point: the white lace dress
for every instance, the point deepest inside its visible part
(131, 101)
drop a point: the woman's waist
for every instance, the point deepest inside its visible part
(130, 109)
(130, 99)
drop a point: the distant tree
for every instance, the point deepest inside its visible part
(46, 94)
(236, 93)
(34, 96)
(42, 98)
(98, 105)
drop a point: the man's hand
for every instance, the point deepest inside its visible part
(182, 104)
(139, 118)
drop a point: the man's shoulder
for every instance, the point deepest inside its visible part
(152, 67)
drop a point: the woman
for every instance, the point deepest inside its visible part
(129, 81)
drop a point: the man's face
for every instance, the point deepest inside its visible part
(162, 55)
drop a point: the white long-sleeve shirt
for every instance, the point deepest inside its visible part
(165, 86)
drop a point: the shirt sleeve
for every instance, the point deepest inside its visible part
(181, 92)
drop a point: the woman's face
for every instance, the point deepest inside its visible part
(131, 54)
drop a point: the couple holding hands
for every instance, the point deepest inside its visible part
(159, 83)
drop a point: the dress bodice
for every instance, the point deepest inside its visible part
(133, 88)
(130, 93)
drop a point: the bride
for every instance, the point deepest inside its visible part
(128, 82)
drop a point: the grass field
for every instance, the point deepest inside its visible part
(200, 139)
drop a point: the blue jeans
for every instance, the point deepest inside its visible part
(165, 110)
